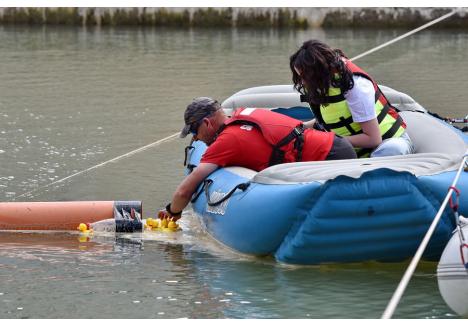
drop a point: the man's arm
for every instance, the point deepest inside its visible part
(185, 190)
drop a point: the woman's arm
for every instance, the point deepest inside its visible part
(361, 103)
(370, 137)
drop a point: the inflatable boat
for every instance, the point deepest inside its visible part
(335, 211)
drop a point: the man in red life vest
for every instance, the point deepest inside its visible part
(251, 138)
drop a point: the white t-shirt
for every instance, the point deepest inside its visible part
(361, 100)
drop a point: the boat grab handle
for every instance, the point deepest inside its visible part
(186, 150)
(242, 186)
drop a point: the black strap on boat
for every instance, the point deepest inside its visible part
(208, 182)
(195, 197)
(435, 115)
(448, 120)
(187, 149)
(277, 155)
(241, 186)
(190, 167)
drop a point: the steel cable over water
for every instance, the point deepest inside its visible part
(168, 138)
(417, 256)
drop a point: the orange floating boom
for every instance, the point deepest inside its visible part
(58, 215)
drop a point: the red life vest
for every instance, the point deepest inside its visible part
(283, 133)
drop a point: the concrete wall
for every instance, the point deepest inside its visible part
(234, 17)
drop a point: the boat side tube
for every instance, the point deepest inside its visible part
(383, 215)
(252, 221)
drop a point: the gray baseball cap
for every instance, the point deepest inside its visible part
(200, 108)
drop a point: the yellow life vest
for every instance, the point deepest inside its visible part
(336, 116)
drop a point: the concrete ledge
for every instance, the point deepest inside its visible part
(233, 17)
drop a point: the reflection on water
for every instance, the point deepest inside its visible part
(142, 277)
(71, 98)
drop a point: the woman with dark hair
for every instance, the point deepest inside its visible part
(346, 100)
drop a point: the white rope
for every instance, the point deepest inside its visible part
(115, 159)
(435, 21)
(414, 262)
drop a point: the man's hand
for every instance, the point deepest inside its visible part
(166, 213)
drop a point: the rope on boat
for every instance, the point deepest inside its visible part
(414, 262)
(115, 159)
(174, 135)
(432, 22)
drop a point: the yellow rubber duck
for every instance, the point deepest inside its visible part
(84, 228)
(171, 227)
(162, 225)
(149, 223)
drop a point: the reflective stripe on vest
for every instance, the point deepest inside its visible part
(283, 133)
(337, 117)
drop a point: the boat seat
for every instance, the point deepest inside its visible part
(431, 135)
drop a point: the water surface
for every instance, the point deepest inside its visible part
(71, 98)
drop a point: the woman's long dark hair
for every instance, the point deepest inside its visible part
(321, 67)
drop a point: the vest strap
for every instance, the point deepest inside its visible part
(298, 145)
(335, 98)
(304, 98)
(383, 113)
(277, 155)
(393, 129)
(348, 126)
(317, 114)
(344, 122)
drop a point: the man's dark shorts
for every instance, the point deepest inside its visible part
(341, 150)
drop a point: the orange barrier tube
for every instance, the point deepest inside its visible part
(54, 215)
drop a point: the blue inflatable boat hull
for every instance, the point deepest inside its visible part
(383, 215)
